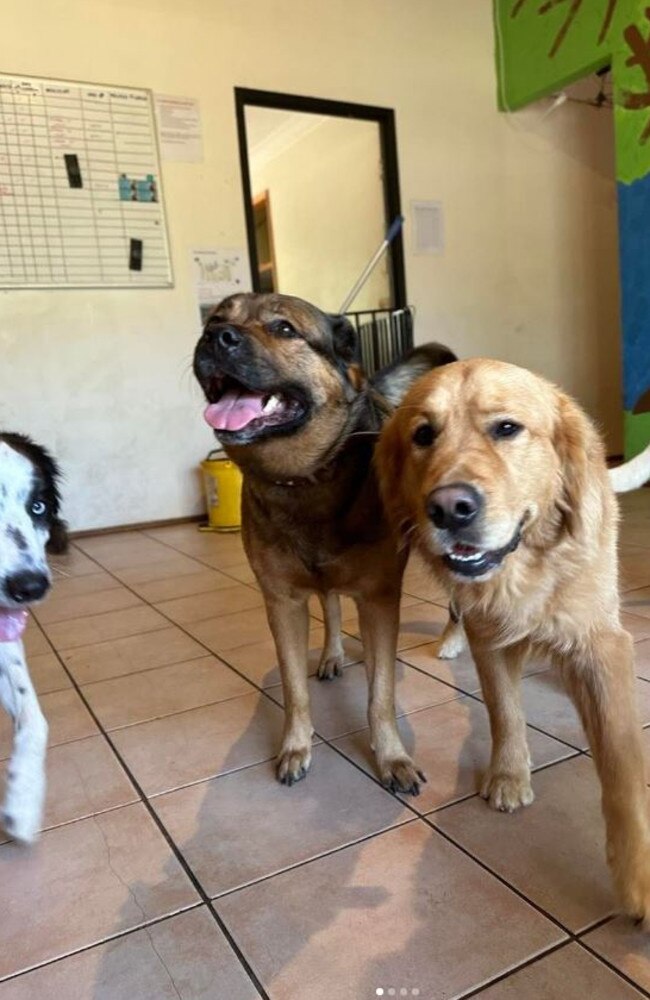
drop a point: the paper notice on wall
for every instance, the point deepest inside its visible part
(179, 128)
(216, 273)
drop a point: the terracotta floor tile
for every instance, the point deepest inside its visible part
(35, 642)
(120, 551)
(83, 778)
(185, 957)
(67, 717)
(204, 607)
(341, 707)
(46, 673)
(451, 744)
(91, 583)
(635, 567)
(72, 563)
(201, 544)
(460, 672)
(424, 587)
(553, 851)
(637, 602)
(242, 572)
(202, 581)
(419, 623)
(124, 701)
(396, 911)
(349, 608)
(334, 805)
(642, 658)
(117, 863)
(258, 661)
(99, 628)
(568, 974)
(231, 631)
(59, 609)
(117, 657)
(548, 706)
(626, 946)
(175, 565)
(202, 743)
(636, 625)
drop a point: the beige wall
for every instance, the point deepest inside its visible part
(528, 273)
(327, 209)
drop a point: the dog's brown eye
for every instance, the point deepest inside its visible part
(505, 429)
(423, 435)
(282, 328)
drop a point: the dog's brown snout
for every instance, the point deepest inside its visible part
(227, 337)
(455, 506)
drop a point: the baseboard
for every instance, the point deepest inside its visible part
(138, 526)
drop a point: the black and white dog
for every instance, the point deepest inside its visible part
(29, 525)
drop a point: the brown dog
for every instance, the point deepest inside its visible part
(293, 409)
(501, 481)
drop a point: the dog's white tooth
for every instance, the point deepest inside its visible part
(271, 404)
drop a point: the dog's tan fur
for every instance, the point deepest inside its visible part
(557, 592)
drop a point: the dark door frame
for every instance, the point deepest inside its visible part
(385, 118)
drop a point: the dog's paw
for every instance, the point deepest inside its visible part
(452, 642)
(330, 667)
(22, 814)
(632, 881)
(292, 765)
(402, 775)
(507, 792)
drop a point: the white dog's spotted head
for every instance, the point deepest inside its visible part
(29, 525)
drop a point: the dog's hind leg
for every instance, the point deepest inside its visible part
(25, 791)
(331, 661)
(453, 640)
(379, 621)
(601, 682)
(506, 783)
(289, 622)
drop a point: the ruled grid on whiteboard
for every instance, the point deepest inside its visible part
(80, 190)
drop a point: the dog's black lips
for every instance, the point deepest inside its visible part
(473, 568)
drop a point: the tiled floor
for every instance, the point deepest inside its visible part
(173, 865)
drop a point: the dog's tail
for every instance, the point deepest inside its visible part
(631, 475)
(394, 381)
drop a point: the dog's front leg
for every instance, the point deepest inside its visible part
(601, 682)
(25, 788)
(331, 661)
(289, 621)
(379, 623)
(506, 784)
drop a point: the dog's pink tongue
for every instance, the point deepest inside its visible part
(234, 410)
(12, 624)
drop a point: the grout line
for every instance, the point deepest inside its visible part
(514, 970)
(569, 935)
(105, 940)
(613, 968)
(174, 849)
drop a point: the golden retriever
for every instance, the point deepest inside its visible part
(499, 479)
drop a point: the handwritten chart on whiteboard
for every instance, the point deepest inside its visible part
(80, 194)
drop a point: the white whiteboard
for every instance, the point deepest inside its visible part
(80, 188)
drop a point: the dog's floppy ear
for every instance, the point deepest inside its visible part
(582, 464)
(346, 340)
(390, 461)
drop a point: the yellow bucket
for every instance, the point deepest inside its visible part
(222, 484)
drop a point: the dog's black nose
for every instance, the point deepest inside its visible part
(455, 506)
(26, 586)
(227, 337)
